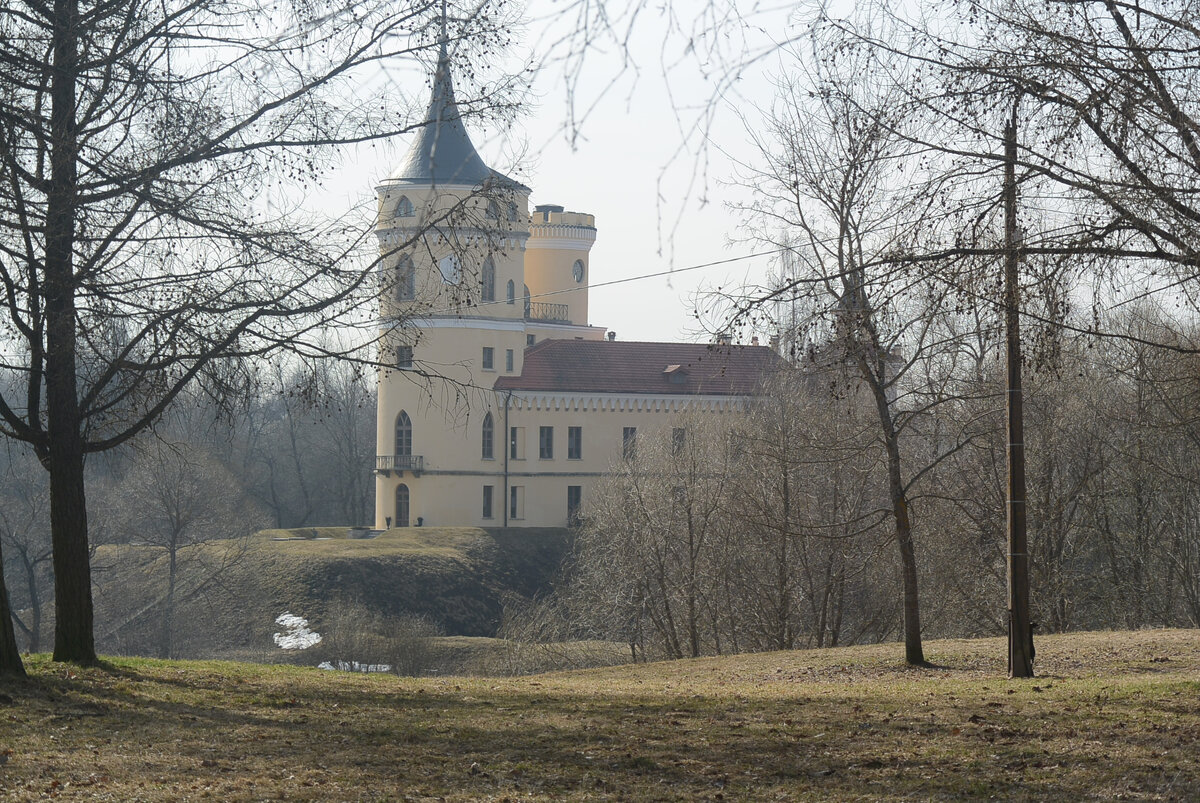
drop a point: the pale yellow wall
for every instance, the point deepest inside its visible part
(602, 419)
(453, 394)
(451, 222)
(450, 492)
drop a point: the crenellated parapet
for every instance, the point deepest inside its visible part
(550, 227)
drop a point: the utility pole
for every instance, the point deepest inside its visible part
(1020, 629)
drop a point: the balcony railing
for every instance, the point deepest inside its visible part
(387, 463)
(543, 311)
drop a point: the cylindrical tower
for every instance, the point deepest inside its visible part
(556, 263)
(452, 236)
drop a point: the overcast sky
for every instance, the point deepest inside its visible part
(660, 204)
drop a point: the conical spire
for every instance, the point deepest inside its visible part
(443, 152)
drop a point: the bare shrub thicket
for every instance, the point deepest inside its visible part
(1113, 481)
(357, 638)
(542, 635)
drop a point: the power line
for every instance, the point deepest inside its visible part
(612, 282)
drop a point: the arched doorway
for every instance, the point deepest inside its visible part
(401, 505)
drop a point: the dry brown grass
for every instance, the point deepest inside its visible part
(1111, 716)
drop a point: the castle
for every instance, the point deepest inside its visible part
(501, 405)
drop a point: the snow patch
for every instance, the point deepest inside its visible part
(353, 666)
(298, 635)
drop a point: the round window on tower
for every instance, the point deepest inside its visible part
(577, 271)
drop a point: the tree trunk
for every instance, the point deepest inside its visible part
(693, 615)
(913, 652)
(168, 614)
(873, 366)
(10, 657)
(73, 639)
(784, 640)
(35, 605)
(63, 452)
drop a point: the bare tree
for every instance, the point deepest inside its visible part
(24, 533)
(302, 443)
(178, 499)
(149, 236)
(10, 657)
(834, 193)
(806, 506)
(647, 559)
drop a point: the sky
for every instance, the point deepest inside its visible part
(660, 191)
(656, 211)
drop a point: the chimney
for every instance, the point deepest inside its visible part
(724, 339)
(754, 340)
(612, 336)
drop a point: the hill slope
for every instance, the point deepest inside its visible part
(1113, 715)
(455, 576)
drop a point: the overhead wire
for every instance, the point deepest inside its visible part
(612, 282)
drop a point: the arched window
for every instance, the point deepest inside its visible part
(406, 278)
(487, 280)
(401, 505)
(528, 303)
(449, 267)
(489, 437)
(493, 210)
(404, 207)
(403, 438)
(510, 295)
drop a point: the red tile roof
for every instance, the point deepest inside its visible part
(603, 366)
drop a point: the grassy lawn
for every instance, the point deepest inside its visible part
(1111, 716)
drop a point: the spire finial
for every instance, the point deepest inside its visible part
(443, 89)
(444, 36)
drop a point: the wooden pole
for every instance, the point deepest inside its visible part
(1020, 631)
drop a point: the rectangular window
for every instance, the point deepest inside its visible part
(574, 499)
(516, 502)
(530, 340)
(489, 358)
(546, 443)
(516, 443)
(508, 360)
(404, 357)
(678, 440)
(574, 443)
(487, 501)
(629, 443)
